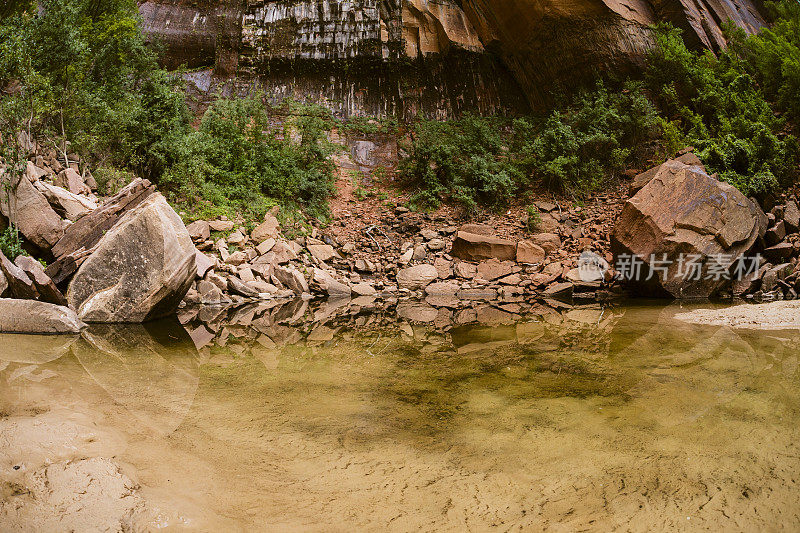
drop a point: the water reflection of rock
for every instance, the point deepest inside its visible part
(150, 369)
(696, 369)
(284, 323)
(34, 349)
(437, 359)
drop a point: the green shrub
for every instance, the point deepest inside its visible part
(534, 218)
(235, 159)
(11, 243)
(86, 74)
(772, 56)
(479, 161)
(717, 106)
(464, 161)
(110, 180)
(579, 147)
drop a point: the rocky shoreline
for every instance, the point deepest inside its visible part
(129, 258)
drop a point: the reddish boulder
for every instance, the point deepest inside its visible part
(474, 247)
(681, 218)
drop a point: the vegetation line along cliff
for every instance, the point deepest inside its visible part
(363, 121)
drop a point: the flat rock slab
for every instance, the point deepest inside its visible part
(30, 316)
(475, 247)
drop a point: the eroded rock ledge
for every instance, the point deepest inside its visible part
(402, 56)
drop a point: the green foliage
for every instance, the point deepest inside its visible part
(717, 106)
(370, 125)
(235, 160)
(79, 70)
(578, 148)
(463, 161)
(534, 218)
(84, 73)
(110, 180)
(477, 161)
(11, 243)
(772, 56)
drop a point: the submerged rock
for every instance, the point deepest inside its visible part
(140, 270)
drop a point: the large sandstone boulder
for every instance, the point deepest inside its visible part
(474, 247)
(140, 270)
(684, 213)
(30, 316)
(82, 236)
(69, 205)
(30, 212)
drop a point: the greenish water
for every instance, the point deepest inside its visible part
(587, 420)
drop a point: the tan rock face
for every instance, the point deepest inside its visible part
(543, 41)
(30, 212)
(417, 277)
(682, 212)
(539, 42)
(18, 283)
(473, 247)
(30, 316)
(270, 228)
(530, 253)
(48, 292)
(70, 180)
(139, 271)
(69, 205)
(493, 269)
(325, 281)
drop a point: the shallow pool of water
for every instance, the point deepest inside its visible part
(589, 419)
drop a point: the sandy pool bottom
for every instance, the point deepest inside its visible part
(635, 422)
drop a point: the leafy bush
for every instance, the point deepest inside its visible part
(11, 243)
(772, 56)
(534, 218)
(589, 141)
(235, 159)
(110, 180)
(464, 161)
(476, 161)
(84, 73)
(719, 108)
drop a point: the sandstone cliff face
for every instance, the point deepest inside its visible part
(546, 41)
(441, 57)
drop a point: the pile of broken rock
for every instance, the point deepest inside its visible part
(128, 259)
(451, 267)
